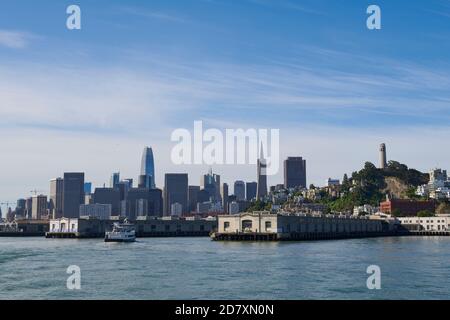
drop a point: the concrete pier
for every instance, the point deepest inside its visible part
(264, 226)
(148, 227)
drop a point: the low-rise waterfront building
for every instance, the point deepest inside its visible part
(266, 226)
(24, 228)
(146, 226)
(77, 228)
(438, 223)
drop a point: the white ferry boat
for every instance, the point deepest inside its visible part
(121, 232)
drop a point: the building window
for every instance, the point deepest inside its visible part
(247, 225)
(226, 225)
(268, 225)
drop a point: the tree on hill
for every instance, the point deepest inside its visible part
(443, 208)
(411, 177)
(425, 213)
(259, 205)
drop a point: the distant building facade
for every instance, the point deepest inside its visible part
(224, 193)
(250, 192)
(56, 198)
(88, 187)
(406, 207)
(73, 194)
(148, 168)
(211, 183)
(109, 196)
(294, 172)
(438, 186)
(332, 182)
(261, 190)
(239, 190)
(143, 202)
(438, 223)
(193, 197)
(115, 179)
(233, 208)
(176, 209)
(175, 191)
(97, 210)
(39, 207)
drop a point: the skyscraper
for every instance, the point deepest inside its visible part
(20, 208)
(383, 161)
(239, 190)
(148, 168)
(175, 191)
(143, 202)
(109, 196)
(87, 187)
(211, 183)
(193, 197)
(251, 188)
(123, 187)
(73, 194)
(115, 179)
(28, 207)
(294, 172)
(39, 210)
(261, 190)
(224, 195)
(56, 198)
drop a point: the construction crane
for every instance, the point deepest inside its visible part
(35, 192)
(7, 204)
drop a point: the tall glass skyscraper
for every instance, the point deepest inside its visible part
(148, 168)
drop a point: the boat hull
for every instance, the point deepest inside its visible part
(120, 240)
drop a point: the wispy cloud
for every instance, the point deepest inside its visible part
(289, 5)
(167, 93)
(14, 39)
(145, 13)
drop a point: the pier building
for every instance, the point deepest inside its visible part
(266, 226)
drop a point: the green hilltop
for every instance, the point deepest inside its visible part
(370, 185)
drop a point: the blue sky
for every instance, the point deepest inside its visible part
(139, 69)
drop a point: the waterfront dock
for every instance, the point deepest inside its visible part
(151, 227)
(294, 236)
(24, 228)
(264, 226)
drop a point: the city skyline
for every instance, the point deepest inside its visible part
(191, 179)
(332, 87)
